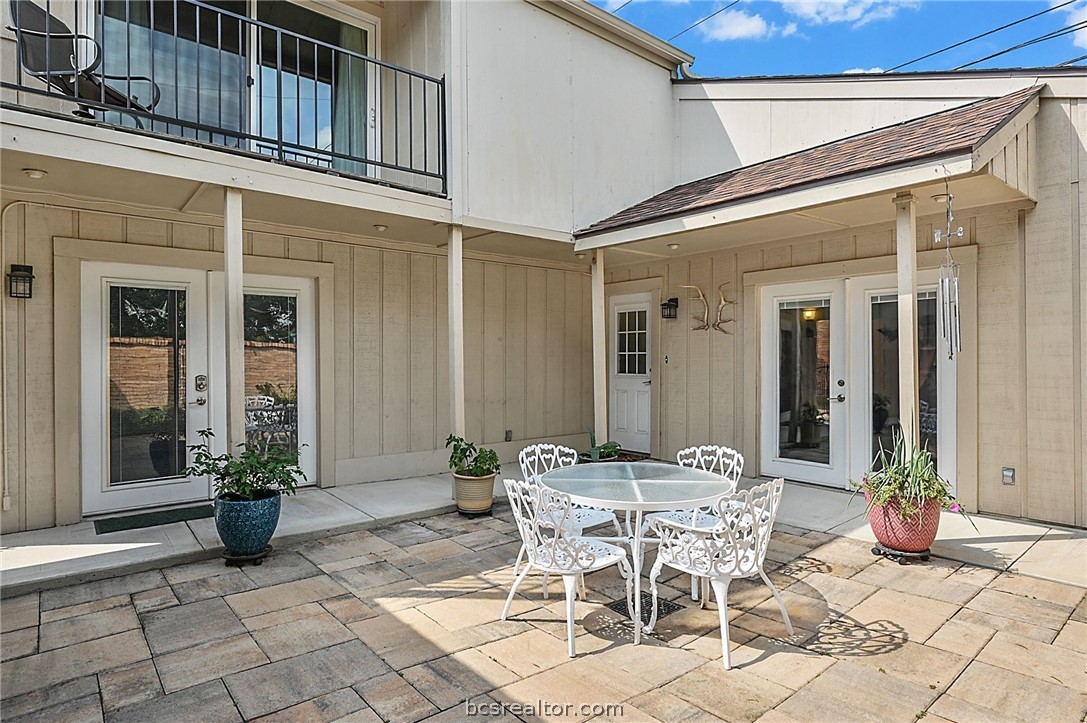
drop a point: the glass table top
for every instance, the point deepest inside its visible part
(651, 486)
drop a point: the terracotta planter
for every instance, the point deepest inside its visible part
(903, 535)
(475, 495)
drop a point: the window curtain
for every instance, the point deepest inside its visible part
(350, 107)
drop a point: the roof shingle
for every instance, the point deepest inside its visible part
(946, 133)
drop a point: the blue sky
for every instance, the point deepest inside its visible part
(782, 37)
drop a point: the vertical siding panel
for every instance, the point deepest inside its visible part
(587, 401)
(839, 247)
(146, 231)
(395, 334)
(367, 340)
(516, 351)
(343, 290)
(554, 319)
(698, 358)
(536, 359)
(473, 349)
(100, 226)
(744, 260)
(674, 396)
(441, 353)
(494, 347)
(271, 245)
(184, 236)
(421, 350)
(12, 348)
(303, 249)
(722, 354)
(572, 356)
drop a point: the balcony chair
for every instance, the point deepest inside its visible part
(733, 546)
(539, 458)
(48, 50)
(543, 518)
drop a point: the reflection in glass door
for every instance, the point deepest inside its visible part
(271, 369)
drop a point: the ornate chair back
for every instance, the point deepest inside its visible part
(539, 458)
(542, 517)
(724, 461)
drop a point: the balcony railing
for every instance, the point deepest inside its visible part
(205, 72)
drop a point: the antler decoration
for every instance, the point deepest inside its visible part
(705, 318)
(720, 309)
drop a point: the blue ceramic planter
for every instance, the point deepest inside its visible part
(246, 526)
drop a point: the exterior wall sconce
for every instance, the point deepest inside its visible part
(809, 314)
(21, 281)
(670, 308)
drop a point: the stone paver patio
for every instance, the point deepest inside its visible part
(400, 623)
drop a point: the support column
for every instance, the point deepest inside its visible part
(233, 286)
(906, 254)
(455, 251)
(600, 353)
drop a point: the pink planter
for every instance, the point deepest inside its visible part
(895, 533)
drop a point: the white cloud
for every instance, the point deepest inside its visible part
(860, 71)
(738, 25)
(1075, 13)
(855, 12)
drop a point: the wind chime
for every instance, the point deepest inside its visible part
(949, 280)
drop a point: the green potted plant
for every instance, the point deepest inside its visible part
(809, 425)
(607, 452)
(248, 488)
(474, 471)
(904, 497)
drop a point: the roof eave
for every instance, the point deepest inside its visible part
(833, 190)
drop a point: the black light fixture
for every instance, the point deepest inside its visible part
(670, 308)
(21, 281)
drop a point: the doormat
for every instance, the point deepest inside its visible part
(664, 607)
(152, 519)
(625, 456)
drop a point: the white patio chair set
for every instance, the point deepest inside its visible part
(714, 544)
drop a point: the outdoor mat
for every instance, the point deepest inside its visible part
(664, 607)
(152, 519)
(625, 456)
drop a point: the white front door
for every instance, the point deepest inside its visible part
(829, 378)
(151, 382)
(630, 371)
(804, 383)
(145, 384)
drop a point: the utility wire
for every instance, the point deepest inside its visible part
(1073, 60)
(628, 2)
(1040, 39)
(695, 25)
(976, 37)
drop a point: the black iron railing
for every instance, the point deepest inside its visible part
(206, 72)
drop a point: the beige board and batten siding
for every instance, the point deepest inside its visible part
(527, 346)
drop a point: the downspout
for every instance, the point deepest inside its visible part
(686, 73)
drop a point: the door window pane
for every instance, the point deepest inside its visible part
(146, 362)
(631, 337)
(271, 369)
(885, 407)
(804, 380)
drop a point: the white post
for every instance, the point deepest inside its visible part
(234, 286)
(906, 254)
(456, 330)
(600, 354)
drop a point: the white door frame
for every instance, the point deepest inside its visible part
(303, 289)
(861, 291)
(630, 302)
(836, 472)
(95, 280)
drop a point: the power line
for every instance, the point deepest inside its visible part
(695, 25)
(628, 2)
(1070, 62)
(976, 37)
(1040, 39)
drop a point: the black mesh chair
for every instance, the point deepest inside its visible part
(48, 50)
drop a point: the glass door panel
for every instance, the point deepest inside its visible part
(804, 380)
(271, 369)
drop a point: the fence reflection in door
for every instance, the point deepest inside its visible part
(271, 369)
(804, 380)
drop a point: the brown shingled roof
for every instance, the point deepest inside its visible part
(946, 133)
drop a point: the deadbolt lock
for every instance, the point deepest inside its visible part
(201, 382)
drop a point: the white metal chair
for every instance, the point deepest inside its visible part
(734, 546)
(539, 458)
(724, 461)
(542, 518)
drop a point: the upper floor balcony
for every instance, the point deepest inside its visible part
(296, 84)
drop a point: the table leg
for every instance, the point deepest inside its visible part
(636, 564)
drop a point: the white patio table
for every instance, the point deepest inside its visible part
(636, 488)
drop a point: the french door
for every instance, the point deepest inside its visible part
(151, 380)
(829, 378)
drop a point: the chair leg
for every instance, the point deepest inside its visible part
(781, 602)
(720, 591)
(618, 527)
(694, 588)
(545, 586)
(517, 562)
(653, 593)
(518, 581)
(570, 583)
(582, 588)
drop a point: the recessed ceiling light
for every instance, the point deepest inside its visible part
(941, 197)
(35, 173)
(673, 246)
(579, 256)
(380, 227)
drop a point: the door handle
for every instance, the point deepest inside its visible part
(648, 381)
(839, 398)
(200, 401)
